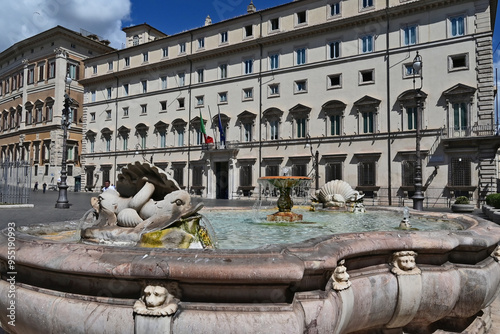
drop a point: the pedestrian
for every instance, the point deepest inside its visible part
(107, 185)
(44, 186)
(36, 186)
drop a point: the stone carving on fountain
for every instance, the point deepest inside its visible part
(496, 254)
(158, 299)
(338, 194)
(403, 263)
(146, 200)
(340, 277)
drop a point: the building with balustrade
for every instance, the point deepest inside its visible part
(325, 89)
(33, 82)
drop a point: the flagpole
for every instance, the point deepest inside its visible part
(213, 129)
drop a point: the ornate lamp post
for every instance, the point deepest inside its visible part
(62, 201)
(418, 196)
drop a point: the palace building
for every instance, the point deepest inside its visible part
(325, 89)
(33, 81)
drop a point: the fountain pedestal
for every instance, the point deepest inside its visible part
(285, 203)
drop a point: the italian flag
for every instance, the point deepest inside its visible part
(202, 128)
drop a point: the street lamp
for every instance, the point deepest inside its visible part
(62, 201)
(418, 196)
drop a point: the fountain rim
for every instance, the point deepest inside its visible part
(284, 178)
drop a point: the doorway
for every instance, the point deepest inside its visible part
(221, 180)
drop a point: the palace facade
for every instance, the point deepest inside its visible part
(33, 82)
(325, 89)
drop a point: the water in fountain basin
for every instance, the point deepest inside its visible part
(246, 229)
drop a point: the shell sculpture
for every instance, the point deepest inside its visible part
(337, 193)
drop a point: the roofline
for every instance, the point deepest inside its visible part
(144, 24)
(27, 41)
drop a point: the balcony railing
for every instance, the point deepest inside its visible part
(474, 131)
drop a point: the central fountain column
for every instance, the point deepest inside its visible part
(285, 203)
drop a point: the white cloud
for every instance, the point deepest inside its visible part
(20, 19)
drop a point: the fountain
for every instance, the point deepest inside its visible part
(284, 184)
(363, 282)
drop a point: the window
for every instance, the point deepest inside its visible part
(223, 97)
(275, 24)
(411, 113)
(366, 3)
(179, 175)
(461, 172)
(274, 63)
(301, 17)
(246, 178)
(335, 81)
(367, 44)
(182, 47)
(457, 26)
(200, 73)
(223, 71)
(108, 93)
(144, 84)
(335, 9)
(272, 170)
(41, 72)
(300, 56)
(200, 101)
(201, 43)
(408, 71)
(108, 115)
(163, 82)
(274, 90)
(335, 122)
(299, 169)
(248, 66)
(180, 137)
(408, 173)
(458, 62)
(52, 70)
(127, 61)
(182, 79)
(125, 89)
(274, 129)
(301, 86)
(135, 40)
(145, 57)
(223, 37)
(108, 143)
(92, 144)
(198, 177)
(180, 103)
(39, 114)
(124, 141)
(247, 132)
(248, 31)
(410, 35)
(366, 173)
(333, 171)
(143, 139)
(31, 75)
(92, 116)
(460, 117)
(247, 93)
(301, 127)
(163, 139)
(125, 111)
(366, 77)
(164, 52)
(144, 109)
(94, 69)
(49, 113)
(110, 65)
(73, 71)
(334, 50)
(368, 122)
(93, 96)
(163, 105)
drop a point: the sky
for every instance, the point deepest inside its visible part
(20, 19)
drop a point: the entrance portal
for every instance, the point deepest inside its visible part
(221, 179)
